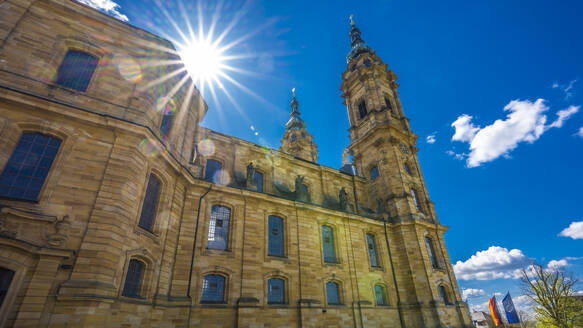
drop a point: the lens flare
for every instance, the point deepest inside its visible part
(206, 147)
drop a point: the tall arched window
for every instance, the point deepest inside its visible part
(388, 103)
(259, 180)
(362, 109)
(133, 281)
(275, 291)
(149, 208)
(275, 239)
(213, 289)
(167, 120)
(76, 70)
(416, 200)
(431, 252)
(219, 227)
(328, 244)
(372, 250)
(380, 295)
(212, 168)
(5, 281)
(28, 167)
(443, 294)
(333, 293)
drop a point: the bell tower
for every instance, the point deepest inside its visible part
(297, 141)
(384, 153)
(381, 140)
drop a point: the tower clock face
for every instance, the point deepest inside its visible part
(404, 148)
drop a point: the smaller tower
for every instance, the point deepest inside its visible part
(297, 141)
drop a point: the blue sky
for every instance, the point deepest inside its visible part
(504, 170)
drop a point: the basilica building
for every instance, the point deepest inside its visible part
(118, 209)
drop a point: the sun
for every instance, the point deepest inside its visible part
(203, 60)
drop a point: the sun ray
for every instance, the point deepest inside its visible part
(248, 35)
(214, 21)
(235, 104)
(162, 79)
(171, 20)
(231, 25)
(248, 91)
(186, 20)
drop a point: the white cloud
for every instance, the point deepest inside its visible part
(564, 115)
(574, 230)
(472, 292)
(580, 132)
(431, 138)
(107, 6)
(566, 88)
(455, 155)
(464, 130)
(494, 263)
(557, 264)
(525, 122)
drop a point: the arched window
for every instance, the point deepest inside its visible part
(408, 169)
(133, 281)
(416, 200)
(219, 227)
(372, 250)
(5, 281)
(167, 120)
(275, 240)
(213, 289)
(275, 291)
(76, 70)
(388, 103)
(28, 167)
(374, 173)
(259, 180)
(328, 244)
(150, 205)
(212, 168)
(443, 294)
(380, 295)
(362, 109)
(332, 293)
(431, 252)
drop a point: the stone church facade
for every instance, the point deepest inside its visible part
(117, 209)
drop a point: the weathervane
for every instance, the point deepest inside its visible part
(351, 21)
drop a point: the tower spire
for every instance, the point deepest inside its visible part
(356, 42)
(296, 139)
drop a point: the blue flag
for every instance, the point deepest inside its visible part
(511, 314)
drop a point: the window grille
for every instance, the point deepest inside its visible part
(213, 289)
(76, 70)
(28, 166)
(275, 240)
(328, 244)
(259, 181)
(275, 291)
(133, 279)
(379, 292)
(218, 237)
(416, 200)
(372, 250)
(332, 293)
(431, 252)
(212, 168)
(150, 205)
